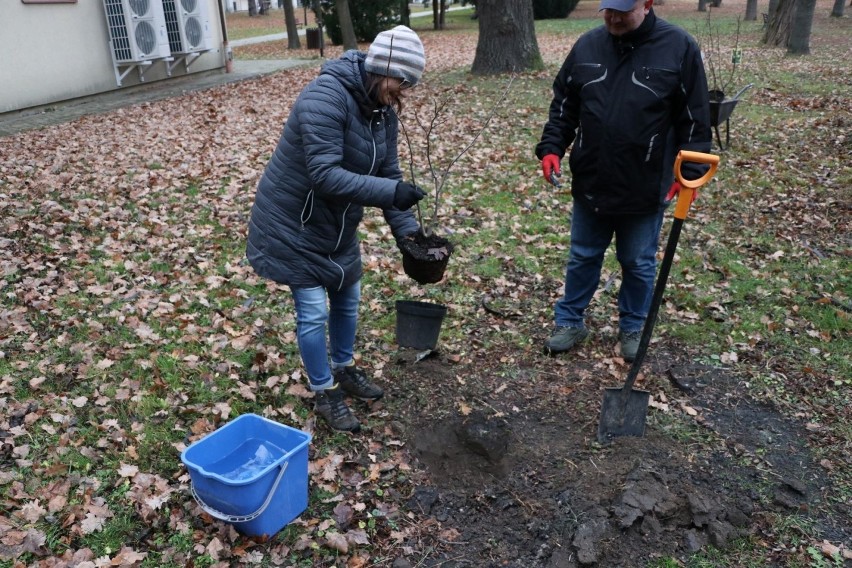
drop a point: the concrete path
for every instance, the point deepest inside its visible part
(66, 111)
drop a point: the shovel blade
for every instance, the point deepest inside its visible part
(622, 414)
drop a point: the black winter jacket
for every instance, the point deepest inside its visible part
(628, 104)
(337, 154)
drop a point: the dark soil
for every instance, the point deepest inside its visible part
(425, 258)
(431, 248)
(512, 475)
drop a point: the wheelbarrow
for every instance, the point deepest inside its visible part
(624, 409)
(720, 111)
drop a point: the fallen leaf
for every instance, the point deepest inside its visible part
(337, 541)
(357, 536)
(689, 410)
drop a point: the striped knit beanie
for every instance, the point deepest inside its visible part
(397, 53)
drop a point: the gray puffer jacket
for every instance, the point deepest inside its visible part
(337, 154)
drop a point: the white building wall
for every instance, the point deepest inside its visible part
(56, 52)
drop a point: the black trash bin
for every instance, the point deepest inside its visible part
(312, 35)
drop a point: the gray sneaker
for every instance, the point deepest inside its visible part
(330, 405)
(564, 338)
(629, 344)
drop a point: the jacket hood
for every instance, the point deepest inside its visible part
(349, 70)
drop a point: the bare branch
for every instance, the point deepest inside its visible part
(720, 77)
(734, 58)
(475, 138)
(440, 177)
(411, 166)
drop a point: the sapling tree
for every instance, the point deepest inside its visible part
(438, 174)
(721, 68)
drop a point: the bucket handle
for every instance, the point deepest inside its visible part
(239, 518)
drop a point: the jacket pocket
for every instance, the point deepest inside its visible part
(585, 74)
(660, 81)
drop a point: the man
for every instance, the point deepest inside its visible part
(629, 96)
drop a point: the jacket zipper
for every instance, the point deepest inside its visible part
(373, 140)
(343, 217)
(309, 201)
(337, 245)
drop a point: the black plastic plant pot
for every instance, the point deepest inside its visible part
(424, 259)
(418, 324)
(427, 271)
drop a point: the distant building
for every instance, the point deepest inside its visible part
(56, 50)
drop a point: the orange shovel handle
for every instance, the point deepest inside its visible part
(684, 196)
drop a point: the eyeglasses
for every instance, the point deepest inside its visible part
(405, 84)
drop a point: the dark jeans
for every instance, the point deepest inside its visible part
(636, 241)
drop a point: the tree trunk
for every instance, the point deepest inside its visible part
(404, 13)
(347, 30)
(773, 7)
(751, 11)
(778, 28)
(702, 5)
(800, 33)
(507, 40)
(290, 24)
(837, 10)
(437, 24)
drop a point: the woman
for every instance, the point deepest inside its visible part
(337, 155)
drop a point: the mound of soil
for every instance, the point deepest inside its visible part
(513, 476)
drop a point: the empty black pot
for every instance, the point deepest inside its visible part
(418, 324)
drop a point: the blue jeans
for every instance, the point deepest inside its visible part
(636, 240)
(319, 310)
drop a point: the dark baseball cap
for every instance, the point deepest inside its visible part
(619, 5)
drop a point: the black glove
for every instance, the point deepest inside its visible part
(407, 195)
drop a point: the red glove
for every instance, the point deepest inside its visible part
(675, 189)
(551, 170)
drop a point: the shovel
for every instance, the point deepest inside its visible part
(624, 409)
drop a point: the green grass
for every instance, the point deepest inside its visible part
(241, 26)
(663, 563)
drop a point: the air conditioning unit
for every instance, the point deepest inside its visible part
(137, 30)
(188, 25)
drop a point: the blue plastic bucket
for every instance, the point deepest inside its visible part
(252, 472)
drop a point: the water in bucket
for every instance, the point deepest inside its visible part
(248, 460)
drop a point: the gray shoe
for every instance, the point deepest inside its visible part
(629, 344)
(330, 405)
(564, 338)
(355, 382)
